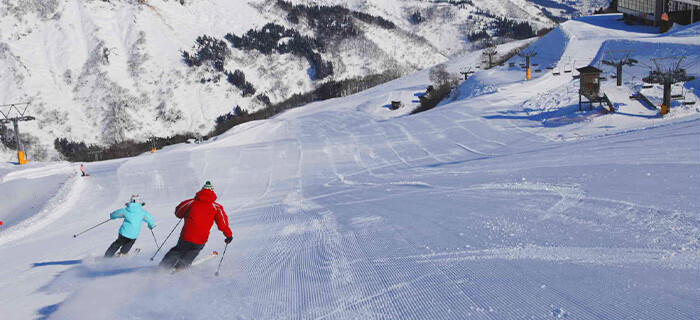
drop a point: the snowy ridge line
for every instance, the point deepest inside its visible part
(64, 201)
(580, 255)
(39, 172)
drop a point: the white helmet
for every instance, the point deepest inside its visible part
(137, 199)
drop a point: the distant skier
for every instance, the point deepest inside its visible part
(82, 170)
(199, 213)
(133, 215)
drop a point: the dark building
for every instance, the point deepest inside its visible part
(661, 13)
(589, 85)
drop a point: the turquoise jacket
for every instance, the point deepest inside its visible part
(133, 214)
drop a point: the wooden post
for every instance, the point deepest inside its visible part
(579, 101)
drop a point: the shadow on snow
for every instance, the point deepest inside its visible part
(45, 312)
(56, 263)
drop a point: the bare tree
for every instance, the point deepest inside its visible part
(490, 52)
(440, 76)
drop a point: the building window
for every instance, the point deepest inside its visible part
(640, 6)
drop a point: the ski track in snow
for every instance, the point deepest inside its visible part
(599, 256)
(39, 172)
(59, 205)
(571, 196)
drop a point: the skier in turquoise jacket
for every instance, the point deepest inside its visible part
(133, 215)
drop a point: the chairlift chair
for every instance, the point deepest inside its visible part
(689, 99)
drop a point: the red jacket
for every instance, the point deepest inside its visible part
(200, 214)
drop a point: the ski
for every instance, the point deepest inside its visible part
(133, 253)
(201, 260)
(118, 255)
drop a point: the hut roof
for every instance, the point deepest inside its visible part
(589, 69)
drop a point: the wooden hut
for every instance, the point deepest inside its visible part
(589, 84)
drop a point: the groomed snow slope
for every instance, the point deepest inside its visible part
(340, 211)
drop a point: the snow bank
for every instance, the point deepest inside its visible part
(60, 204)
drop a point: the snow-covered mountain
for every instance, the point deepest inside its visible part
(105, 71)
(503, 202)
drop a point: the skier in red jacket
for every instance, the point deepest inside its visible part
(199, 213)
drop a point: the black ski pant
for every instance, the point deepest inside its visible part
(181, 255)
(122, 242)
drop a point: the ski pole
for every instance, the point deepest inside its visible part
(154, 237)
(166, 239)
(221, 261)
(101, 223)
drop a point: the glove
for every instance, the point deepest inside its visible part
(153, 227)
(228, 240)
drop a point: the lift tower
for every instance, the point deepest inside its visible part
(617, 59)
(667, 75)
(13, 113)
(527, 54)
